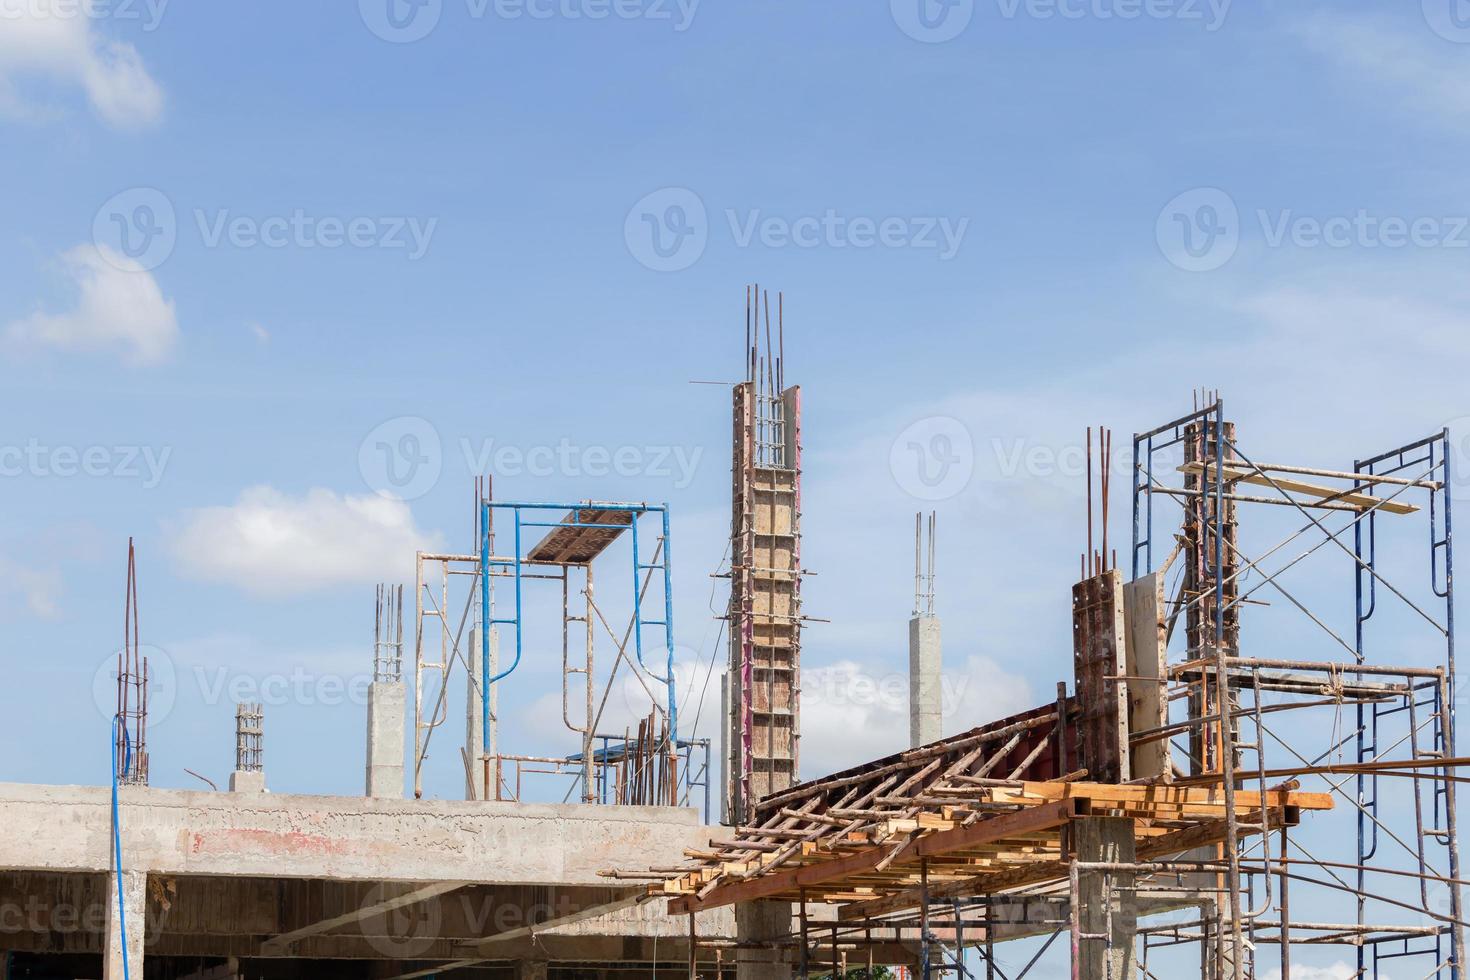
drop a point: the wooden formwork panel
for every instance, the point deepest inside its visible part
(771, 691)
(772, 740)
(1098, 643)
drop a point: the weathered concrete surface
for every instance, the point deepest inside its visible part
(758, 922)
(247, 781)
(1109, 905)
(387, 702)
(131, 905)
(275, 835)
(926, 701)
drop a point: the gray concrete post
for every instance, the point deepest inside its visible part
(926, 694)
(474, 721)
(386, 705)
(755, 922)
(245, 781)
(134, 895)
(1107, 840)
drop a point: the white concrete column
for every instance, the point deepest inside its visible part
(474, 719)
(386, 705)
(134, 896)
(755, 922)
(1107, 840)
(926, 694)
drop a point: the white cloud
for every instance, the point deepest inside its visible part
(271, 544)
(1410, 65)
(119, 307)
(37, 40)
(852, 713)
(39, 589)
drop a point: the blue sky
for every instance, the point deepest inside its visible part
(241, 244)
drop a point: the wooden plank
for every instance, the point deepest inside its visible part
(1047, 816)
(1102, 795)
(578, 545)
(1145, 618)
(1357, 499)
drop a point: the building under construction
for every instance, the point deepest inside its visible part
(1212, 793)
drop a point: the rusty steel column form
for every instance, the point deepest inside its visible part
(763, 723)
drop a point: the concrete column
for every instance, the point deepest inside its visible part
(1107, 839)
(755, 922)
(386, 705)
(529, 969)
(474, 718)
(134, 895)
(247, 781)
(926, 701)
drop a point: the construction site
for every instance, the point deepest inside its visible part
(1254, 760)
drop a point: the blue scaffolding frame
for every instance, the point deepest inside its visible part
(1427, 461)
(663, 564)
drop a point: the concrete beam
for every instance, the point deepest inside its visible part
(278, 835)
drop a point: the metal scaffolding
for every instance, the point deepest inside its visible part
(1177, 814)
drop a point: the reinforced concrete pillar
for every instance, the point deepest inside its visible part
(134, 896)
(530, 969)
(926, 702)
(1108, 904)
(386, 705)
(761, 922)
